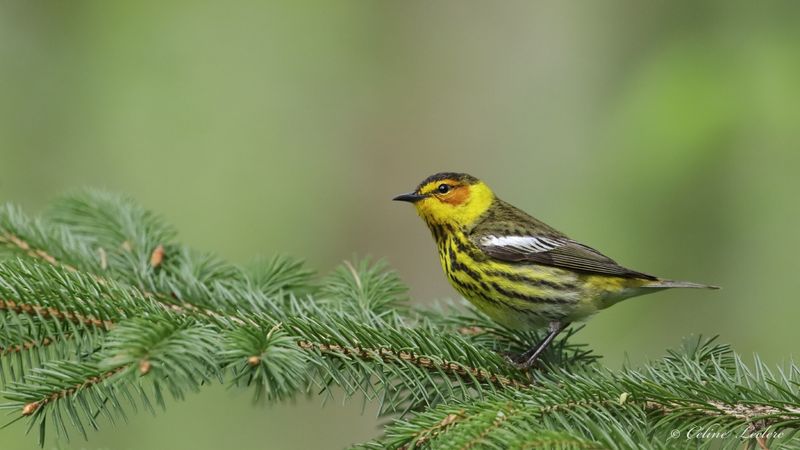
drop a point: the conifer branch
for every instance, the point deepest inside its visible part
(31, 407)
(102, 310)
(646, 399)
(156, 258)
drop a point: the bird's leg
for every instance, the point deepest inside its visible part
(529, 358)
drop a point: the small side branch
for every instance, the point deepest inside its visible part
(425, 435)
(498, 421)
(156, 259)
(32, 407)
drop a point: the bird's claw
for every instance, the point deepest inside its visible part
(516, 361)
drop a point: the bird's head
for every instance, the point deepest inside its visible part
(447, 198)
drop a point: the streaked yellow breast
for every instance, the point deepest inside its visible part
(523, 296)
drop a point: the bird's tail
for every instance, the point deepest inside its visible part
(665, 284)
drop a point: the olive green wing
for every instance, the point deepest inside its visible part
(551, 250)
(507, 233)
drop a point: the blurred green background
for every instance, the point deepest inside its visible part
(666, 134)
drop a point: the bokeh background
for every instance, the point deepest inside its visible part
(666, 134)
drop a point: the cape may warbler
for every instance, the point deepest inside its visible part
(519, 271)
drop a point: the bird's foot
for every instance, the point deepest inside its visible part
(520, 361)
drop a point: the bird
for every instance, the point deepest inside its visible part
(519, 271)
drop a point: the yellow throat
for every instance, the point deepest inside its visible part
(460, 206)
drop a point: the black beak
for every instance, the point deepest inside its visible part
(411, 197)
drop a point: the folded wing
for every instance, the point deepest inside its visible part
(555, 251)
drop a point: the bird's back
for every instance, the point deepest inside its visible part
(506, 219)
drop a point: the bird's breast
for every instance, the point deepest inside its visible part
(516, 295)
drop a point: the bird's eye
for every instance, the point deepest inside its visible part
(443, 188)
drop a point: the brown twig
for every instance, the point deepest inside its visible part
(33, 252)
(32, 407)
(25, 346)
(759, 417)
(47, 312)
(425, 362)
(748, 412)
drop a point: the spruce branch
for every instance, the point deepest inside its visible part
(648, 401)
(37, 239)
(26, 341)
(67, 233)
(102, 312)
(238, 300)
(70, 387)
(269, 359)
(369, 291)
(280, 274)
